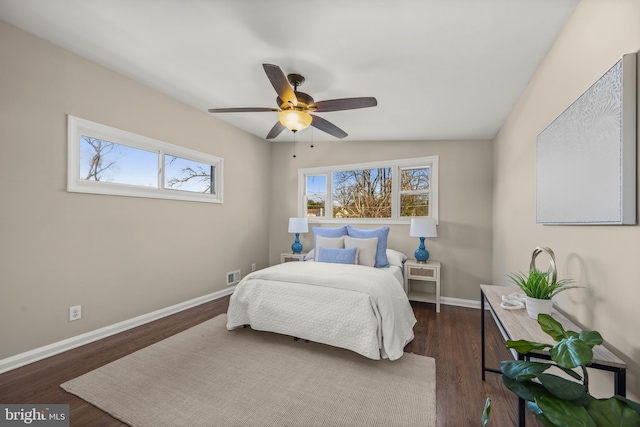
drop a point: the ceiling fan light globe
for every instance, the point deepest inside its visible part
(295, 120)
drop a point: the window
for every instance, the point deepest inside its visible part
(106, 160)
(362, 193)
(316, 195)
(414, 191)
(384, 192)
(188, 175)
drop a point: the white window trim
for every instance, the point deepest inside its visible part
(76, 127)
(396, 166)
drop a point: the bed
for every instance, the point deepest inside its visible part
(349, 304)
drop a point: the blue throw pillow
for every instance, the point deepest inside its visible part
(328, 232)
(338, 256)
(382, 234)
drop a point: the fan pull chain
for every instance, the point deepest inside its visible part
(311, 137)
(294, 144)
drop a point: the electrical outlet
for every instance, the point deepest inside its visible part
(75, 313)
(253, 267)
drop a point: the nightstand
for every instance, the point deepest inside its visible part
(428, 272)
(291, 257)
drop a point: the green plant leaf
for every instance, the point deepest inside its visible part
(524, 346)
(522, 369)
(564, 413)
(571, 352)
(634, 405)
(551, 326)
(570, 372)
(545, 421)
(613, 412)
(591, 338)
(563, 285)
(561, 387)
(525, 389)
(572, 334)
(538, 284)
(533, 407)
(535, 410)
(486, 412)
(535, 285)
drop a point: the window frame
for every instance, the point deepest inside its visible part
(305, 194)
(77, 127)
(402, 192)
(396, 166)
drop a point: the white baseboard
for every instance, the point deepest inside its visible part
(468, 303)
(40, 353)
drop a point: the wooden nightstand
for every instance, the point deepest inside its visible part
(291, 257)
(428, 272)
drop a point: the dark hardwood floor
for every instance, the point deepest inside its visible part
(452, 337)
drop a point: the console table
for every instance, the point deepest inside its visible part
(517, 325)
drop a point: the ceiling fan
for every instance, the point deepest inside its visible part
(295, 107)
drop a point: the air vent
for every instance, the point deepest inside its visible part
(233, 277)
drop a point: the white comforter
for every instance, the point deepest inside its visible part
(356, 307)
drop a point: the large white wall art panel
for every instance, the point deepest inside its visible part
(586, 158)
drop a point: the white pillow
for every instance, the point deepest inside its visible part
(396, 257)
(328, 242)
(310, 255)
(366, 249)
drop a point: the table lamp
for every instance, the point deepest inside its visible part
(422, 227)
(298, 225)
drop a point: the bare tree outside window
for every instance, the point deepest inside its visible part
(414, 191)
(364, 193)
(107, 161)
(99, 157)
(316, 194)
(188, 175)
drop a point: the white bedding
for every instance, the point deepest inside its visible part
(360, 308)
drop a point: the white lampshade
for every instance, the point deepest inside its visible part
(298, 225)
(422, 226)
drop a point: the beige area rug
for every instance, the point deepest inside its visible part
(209, 376)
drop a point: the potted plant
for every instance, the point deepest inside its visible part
(558, 401)
(538, 286)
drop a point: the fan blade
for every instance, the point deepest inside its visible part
(241, 110)
(343, 104)
(275, 130)
(328, 127)
(280, 84)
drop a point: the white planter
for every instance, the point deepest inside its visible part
(536, 306)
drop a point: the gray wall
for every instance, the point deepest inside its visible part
(603, 259)
(119, 257)
(463, 245)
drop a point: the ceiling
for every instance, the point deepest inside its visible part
(440, 69)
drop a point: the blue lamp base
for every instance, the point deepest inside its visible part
(296, 248)
(421, 254)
